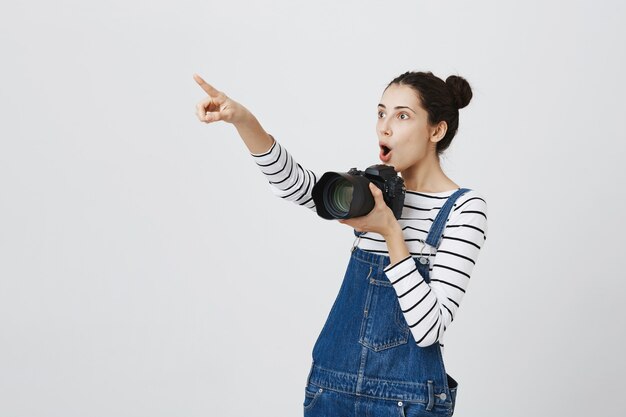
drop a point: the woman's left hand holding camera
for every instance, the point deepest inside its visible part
(382, 221)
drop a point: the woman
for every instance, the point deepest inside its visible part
(380, 350)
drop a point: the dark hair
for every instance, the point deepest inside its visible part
(441, 100)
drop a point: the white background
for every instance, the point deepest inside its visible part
(146, 269)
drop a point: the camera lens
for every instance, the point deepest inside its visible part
(338, 197)
(342, 195)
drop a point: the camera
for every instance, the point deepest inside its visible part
(343, 195)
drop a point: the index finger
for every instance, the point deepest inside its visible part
(209, 89)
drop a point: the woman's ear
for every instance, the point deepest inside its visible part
(439, 131)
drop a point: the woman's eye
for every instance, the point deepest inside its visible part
(381, 114)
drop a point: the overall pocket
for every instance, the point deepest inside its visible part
(311, 395)
(383, 325)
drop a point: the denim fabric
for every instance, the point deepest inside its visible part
(365, 361)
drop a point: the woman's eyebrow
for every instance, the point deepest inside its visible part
(397, 107)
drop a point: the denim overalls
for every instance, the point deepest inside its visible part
(365, 360)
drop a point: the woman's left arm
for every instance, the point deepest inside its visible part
(429, 308)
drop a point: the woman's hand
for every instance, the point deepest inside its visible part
(380, 220)
(218, 106)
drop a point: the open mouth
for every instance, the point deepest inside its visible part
(385, 153)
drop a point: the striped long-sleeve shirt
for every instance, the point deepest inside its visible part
(428, 308)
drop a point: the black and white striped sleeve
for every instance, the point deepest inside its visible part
(429, 308)
(286, 177)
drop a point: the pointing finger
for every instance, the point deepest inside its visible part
(209, 89)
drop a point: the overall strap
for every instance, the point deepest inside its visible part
(436, 230)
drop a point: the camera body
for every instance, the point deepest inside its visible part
(343, 195)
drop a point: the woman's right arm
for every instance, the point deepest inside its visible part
(287, 178)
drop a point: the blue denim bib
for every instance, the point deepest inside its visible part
(366, 348)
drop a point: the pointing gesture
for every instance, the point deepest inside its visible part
(218, 106)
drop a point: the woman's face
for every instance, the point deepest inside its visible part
(402, 127)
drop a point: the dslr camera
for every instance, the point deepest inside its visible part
(343, 195)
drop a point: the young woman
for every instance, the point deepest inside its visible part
(380, 350)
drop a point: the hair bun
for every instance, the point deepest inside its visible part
(460, 89)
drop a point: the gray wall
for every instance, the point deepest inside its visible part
(147, 270)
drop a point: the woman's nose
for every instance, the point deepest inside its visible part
(383, 126)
